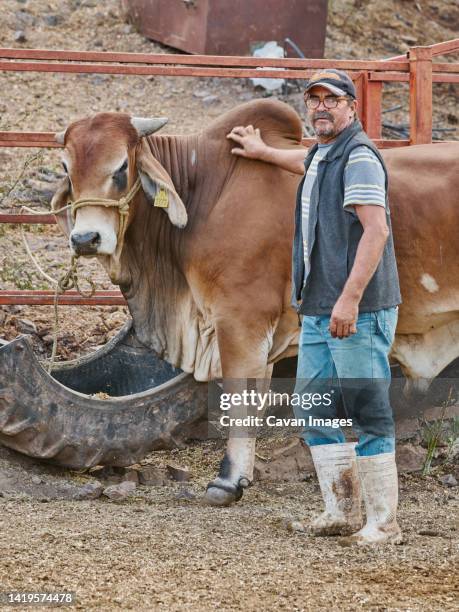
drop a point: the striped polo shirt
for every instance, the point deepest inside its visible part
(364, 183)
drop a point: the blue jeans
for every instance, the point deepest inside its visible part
(356, 371)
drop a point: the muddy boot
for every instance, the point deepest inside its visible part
(378, 475)
(336, 469)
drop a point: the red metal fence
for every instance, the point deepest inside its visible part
(417, 68)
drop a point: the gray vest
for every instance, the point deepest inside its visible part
(334, 235)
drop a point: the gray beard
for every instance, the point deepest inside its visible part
(325, 131)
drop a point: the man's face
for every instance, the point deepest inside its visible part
(329, 122)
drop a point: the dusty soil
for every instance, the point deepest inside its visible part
(160, 548)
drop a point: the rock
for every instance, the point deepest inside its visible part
(120, 491)
(180, 474)
(32, 196)
(201, 430)
(19, 36)
(201, 93)
(48, 175)
(14, 309)
(410, 458)
(127, 29)
(98, 80)
(406, 429)
(291, 463)
(25, 326)
(454, 450)
(440, 413)
(152, 476)
(185, 494)
(36, 480)
(42, 331)
(295, 526)
(40, 191)
(131, 476)
(208, 100)
(114, 475)
(429, 532)
(52, 20)
(448, 480)
(24, 18)
(91, 490)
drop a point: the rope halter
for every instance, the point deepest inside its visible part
(122, 205)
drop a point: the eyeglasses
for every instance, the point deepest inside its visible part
(329, 102)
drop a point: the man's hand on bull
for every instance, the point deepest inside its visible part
(250, 141)
(344, 318)
(252, 146)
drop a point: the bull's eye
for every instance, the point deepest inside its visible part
(64, 165)
(120, 178)
(122, 168)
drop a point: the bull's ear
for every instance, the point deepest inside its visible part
(154, 178)
(61, 199)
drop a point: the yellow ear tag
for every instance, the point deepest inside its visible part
(161, 199)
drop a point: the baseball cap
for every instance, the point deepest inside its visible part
(336, 81)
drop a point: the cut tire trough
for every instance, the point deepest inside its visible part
(54, 417)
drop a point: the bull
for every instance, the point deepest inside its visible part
(199, 242)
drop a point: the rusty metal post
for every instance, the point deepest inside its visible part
(372, 105)
(359, 84)
(420, 95)
(369, 95)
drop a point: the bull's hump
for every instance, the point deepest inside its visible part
(275, 119)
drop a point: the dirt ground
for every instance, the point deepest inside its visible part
(160, 548)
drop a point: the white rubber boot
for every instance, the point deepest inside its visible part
(336, 468)
(378, 476)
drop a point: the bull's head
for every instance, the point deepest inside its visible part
(103, 158)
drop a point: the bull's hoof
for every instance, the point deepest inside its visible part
(218, 497)
(221, 493)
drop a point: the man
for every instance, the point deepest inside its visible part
(345, 284)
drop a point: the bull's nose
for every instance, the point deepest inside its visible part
(86, 244)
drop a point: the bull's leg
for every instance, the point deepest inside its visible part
(240, 361)
(236, 468)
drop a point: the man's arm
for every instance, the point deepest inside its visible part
(369, 251)
(252, 146)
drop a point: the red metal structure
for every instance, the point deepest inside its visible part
(213, 27)
(417, 68)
